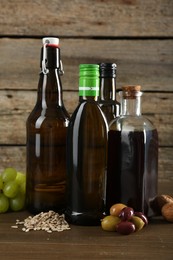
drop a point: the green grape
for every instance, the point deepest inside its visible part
(11, 189)
(9, 174)
(22, 188)
(17, 203)
(1, 183)
(4, 203)
(20, 178)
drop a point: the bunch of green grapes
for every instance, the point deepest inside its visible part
(12, 190)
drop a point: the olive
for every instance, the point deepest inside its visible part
(142, 216)
(109, 223)
(125, 228)
(126, 213)
(116, 209)
(138, 222)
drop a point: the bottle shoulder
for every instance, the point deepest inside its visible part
(87, 106)
(131, 123)
(50, 111)
(88, 126)
(88, 112)
(108, 102)
(43, 117)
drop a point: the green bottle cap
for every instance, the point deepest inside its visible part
(89, 80)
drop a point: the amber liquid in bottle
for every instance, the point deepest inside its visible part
(86, 161)
(46, 140)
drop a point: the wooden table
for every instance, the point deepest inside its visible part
(153, 242)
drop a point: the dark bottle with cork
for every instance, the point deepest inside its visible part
(107, 100)
(86, 153)
(132, 156)
(46, 136)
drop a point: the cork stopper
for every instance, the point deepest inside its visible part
(131, 91)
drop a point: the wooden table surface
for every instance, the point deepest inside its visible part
(153, 242)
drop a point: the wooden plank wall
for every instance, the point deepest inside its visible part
(136, 34)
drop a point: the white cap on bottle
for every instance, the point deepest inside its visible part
(50, 40)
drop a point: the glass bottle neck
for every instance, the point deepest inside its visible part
(107, 89)
(88, 98)
(131, 106)
(50, 89)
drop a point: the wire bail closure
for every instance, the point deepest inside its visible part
(61, 69)
(44, 69)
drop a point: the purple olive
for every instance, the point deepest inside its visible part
(125, 228)
(142, 216)
(126, 213)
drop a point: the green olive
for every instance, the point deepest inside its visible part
(116, 209)
(109, 223)
(138, 222)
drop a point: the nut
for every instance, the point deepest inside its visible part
(167, 211)
(163, 199)
(159, 201)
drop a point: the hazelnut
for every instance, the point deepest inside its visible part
(159, 201)
(167, 211)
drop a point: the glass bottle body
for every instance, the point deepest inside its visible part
(132, 159)
(46, 147)
(86, 163)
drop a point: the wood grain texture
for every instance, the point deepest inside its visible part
(135, 34)
(87, 18)
(17, 104)
(87, 242)
(145, 62)
(15, 156)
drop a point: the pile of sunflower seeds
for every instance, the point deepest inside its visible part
(46, 221)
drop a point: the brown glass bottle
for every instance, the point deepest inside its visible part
(107, 99)
(46, 137)
(86, 153)
(132, 156)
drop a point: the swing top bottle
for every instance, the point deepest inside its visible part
(46, 136)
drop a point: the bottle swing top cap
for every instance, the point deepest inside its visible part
(50, 56)
(50, 41)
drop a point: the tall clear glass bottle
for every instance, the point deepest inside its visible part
(107, 100)
(132, 156)
(86, 153)
(46, 136)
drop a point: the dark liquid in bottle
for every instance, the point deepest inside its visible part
(86, 162)
(110, 109)
(132, 169)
